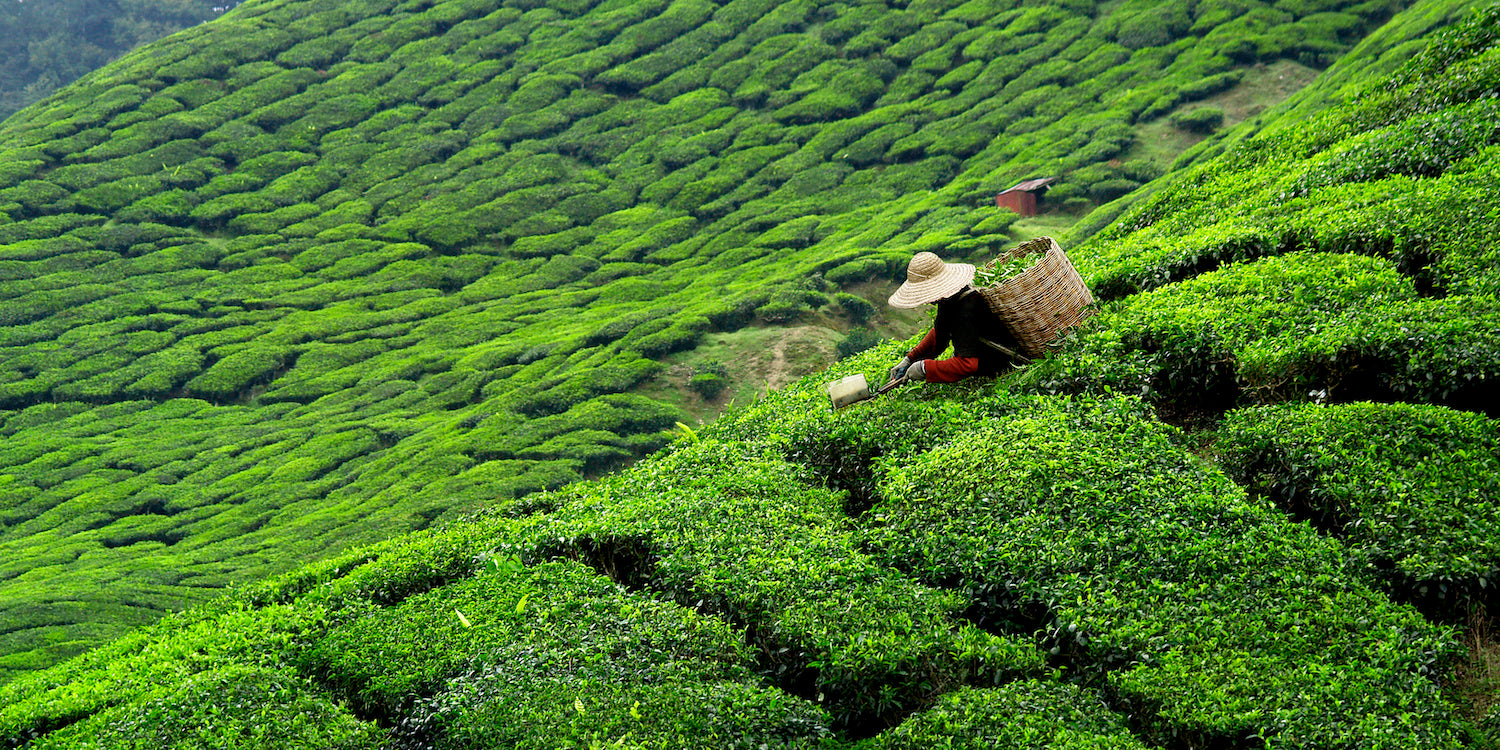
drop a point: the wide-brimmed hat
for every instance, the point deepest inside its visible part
(929, 279)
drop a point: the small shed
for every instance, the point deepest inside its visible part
(1024, 197)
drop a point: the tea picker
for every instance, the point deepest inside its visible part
(1028, 296)
(982, 343)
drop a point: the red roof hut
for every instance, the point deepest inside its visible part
(1023, 197)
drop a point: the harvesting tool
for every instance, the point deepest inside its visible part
(855, 388)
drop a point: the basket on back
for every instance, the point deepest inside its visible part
(1041, 302)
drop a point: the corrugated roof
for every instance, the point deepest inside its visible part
(1030, 185)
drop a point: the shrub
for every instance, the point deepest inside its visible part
(1441, 351)
(1210, 85)
(535, 656)
(709, 379)
(856, 271)
(1028, 714)
(787, 304)
(1104, 191)
(682, 334)
(1406, 486)
(857, 308)
(166, 207)
(734, 314)
(1161, 575)
(233, 375)
(1199, 120)
(149, 673)
(739, 533)
(857, 340)
(236, 706)
(1191, 342)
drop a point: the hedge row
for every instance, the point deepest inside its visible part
(535, 657)
(1402, 172)
(1408, 487)
(1202, 339)
(1207, 616)
(736, 531)
(1029, 714)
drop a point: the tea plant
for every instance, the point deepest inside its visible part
(1020, 714)
(1206, 614)
(1410, 488)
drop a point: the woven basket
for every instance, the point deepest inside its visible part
(1041, 302)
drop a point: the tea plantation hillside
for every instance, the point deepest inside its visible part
(315, 274)
(1189, 528)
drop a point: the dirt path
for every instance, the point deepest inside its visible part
(779, 374)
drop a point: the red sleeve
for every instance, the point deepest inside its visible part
(930, 347)
(950, 370)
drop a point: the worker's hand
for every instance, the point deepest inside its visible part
(917, 372)
(898, 370)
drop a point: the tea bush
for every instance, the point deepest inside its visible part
(232, 706)
(1209, 616)
(529, 657)
(1027, 713)
(1199, 120)
(1408, 487)
(1437, 351)
(155, 682)
(747, 538)
(1201, 340)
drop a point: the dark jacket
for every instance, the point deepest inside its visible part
(963, 320)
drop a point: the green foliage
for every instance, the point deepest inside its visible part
(765, 548)
(230, 707)
(1027, 713)
(858, 340)
(1147, 561)
(317, 274)
(709, 379)
(1203, 340)
(857, 308)
(235, 373)
(513, 657)
(1198, 120)
(1407, 487)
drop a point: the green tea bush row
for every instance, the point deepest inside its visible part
(1438, 351)
(1206, 615)
(736, 531)
(1408, 487)
(1026, 713)
(529, 657)
(230, 706)
(138, 687)
(1201, 340)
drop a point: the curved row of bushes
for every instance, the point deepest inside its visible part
(1410, 488)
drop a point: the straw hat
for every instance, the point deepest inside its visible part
(929, 279)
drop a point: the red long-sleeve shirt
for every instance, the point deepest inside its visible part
(950, 370)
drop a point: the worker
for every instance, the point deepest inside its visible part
(982, 344)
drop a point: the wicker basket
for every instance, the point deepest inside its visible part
(1042, 301)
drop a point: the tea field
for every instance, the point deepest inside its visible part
(315, 274)
(340, 344)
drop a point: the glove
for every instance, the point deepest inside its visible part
(898, 370)
(917, 373)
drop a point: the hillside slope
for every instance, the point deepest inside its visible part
(979, 565)
(317, 273)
